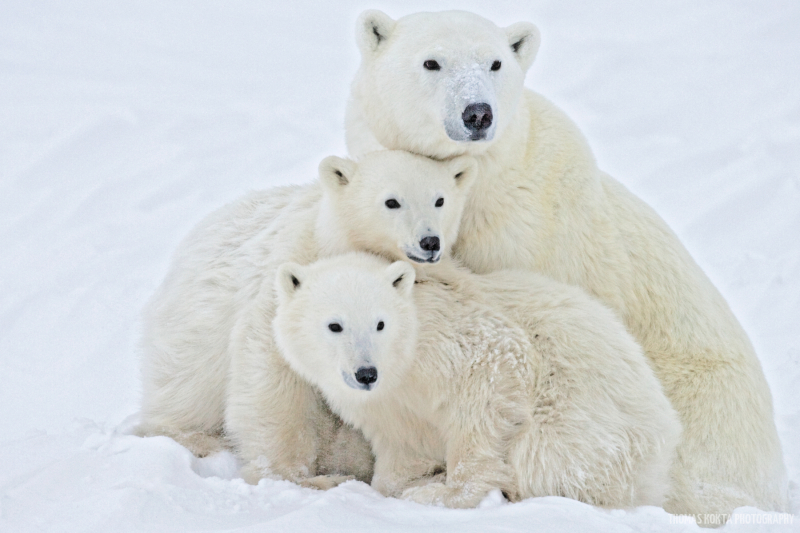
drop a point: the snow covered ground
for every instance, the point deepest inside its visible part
(122, 123)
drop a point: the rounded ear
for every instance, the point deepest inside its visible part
(373, 29)
(464, 169)
(401, 275)
(524, 40)
(288, 280)
(335, 172)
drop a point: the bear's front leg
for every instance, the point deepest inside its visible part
(272, 416)
(485, 413)
(471, 475)
(449, 494)
(396, 470)
(270, 421)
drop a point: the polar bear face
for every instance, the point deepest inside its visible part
(438, 84)
(397, 204)
(347, 324)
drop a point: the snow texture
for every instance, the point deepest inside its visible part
(123, 123)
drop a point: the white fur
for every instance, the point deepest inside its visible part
(541, 204)
(210, 369)
(504, 381)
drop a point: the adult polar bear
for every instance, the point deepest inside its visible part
(445, 84)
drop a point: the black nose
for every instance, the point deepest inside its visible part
(429, 244)
(366, 375)
(477, 117)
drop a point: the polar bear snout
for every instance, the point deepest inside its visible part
(477, 119)
(365, 378)
(367, 375)
(430, 243)
(428, 249)
(425, 249)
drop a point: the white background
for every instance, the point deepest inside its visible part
(123, 123)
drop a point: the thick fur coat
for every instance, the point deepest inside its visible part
(505, 381)
(208, 383)
(541, 204)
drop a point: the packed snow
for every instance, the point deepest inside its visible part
(123, 123)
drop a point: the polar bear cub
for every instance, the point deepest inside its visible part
(210, 369)
(466, 383)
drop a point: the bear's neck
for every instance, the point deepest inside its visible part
(332, 238)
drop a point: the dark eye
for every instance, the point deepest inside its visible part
(380, 325)
(432, 65)
(496, 65)
(440, 202)
(391, 203)
(334, 327)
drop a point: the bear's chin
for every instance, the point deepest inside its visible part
(468, 138)
(416, 259)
